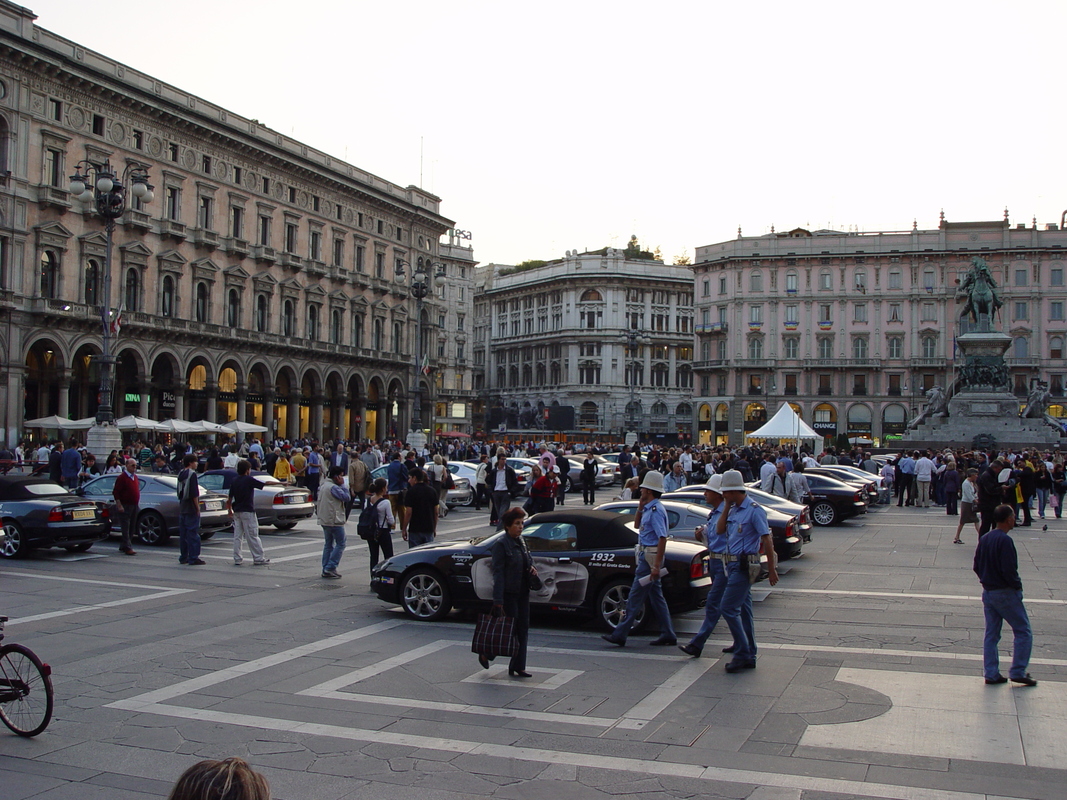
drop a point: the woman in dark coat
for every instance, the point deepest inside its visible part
(950, 483)
(513, 572)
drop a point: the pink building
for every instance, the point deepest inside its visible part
(852, 328)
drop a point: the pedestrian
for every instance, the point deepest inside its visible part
(70, 463)
(245, 522)
(481, 491)
(127, 494)
(504, 484)
(924, 473)
(996, 563)
(436, 478)
(315, 466)
(420, 522)
(189, 514)
(906, 482)
(358, 480)
(55, 464)
(676, 479)
(397, 475)
(968, 504)
(1059, 489)
(1043, 487)
(300, 466)
(589, 473)
(542, 490)
(989, 494)
(230, 779)
(283, 469)
(332, 512)
(514, 576)
(651, 520)
(745, 525)
(708, 535)
(376, 522)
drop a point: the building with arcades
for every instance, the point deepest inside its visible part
(852, 328)
(551, 334)
(266, 281)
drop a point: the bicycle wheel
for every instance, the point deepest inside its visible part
(25, 690)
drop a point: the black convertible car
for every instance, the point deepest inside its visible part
(585, 559)
(36, 512)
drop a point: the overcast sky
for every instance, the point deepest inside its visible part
(551, 126)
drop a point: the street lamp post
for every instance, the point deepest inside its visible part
(98, 184)
(420, 288)
(632, 341)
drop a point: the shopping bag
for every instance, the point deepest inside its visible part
(494, 636)
(1054, 500)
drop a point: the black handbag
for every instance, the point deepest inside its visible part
(494, 636)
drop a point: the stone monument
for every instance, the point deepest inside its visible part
(983, 402)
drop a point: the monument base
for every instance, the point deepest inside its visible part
(102, 439)
(994, 413)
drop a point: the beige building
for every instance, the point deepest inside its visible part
(260, 283)
(554, 335)
(853, 328)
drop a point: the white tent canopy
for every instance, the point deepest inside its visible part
(61, 423)
(785, 425)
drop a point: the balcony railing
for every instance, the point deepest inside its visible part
(291, 260)
(755, 363)
(205, 238)
(1029, 362)
(843, 363)
(261, 252)
(53, 196)
(238, 247)
(172, 228)
(136, 220)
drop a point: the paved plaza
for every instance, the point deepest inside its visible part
(869, 682)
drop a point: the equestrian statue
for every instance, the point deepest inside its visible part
(980, 289)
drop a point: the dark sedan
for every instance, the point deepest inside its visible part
(695, 494)
(585, 559)
(157, 519)
(36, 512)
(869, 483)
(832, 501)
(683, 518)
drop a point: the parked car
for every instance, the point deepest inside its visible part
(694, 494)
(460, 495)
(469, 473)
(865, 482)
(585, 559)
(157, 520)
(842, 472)
(683, 518)
(833, 501)
(277, 503)
(36, 512)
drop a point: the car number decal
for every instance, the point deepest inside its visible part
(604, 557)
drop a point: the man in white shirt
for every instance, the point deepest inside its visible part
(767, 470)
(230, 462)
(924, 472)
(687, 462)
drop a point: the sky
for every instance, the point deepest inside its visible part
(554, 126)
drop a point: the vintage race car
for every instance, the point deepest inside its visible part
(585, 559)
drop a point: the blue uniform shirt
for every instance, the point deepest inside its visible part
(745, 526)
(653, 524)
(716, 541)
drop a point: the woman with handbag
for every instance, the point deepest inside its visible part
(513, 577)
(377, 530)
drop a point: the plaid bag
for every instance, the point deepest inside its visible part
(494, 636)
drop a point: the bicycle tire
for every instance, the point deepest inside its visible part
(21, 669)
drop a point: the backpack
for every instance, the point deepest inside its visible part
(367, 526)
(446, 479)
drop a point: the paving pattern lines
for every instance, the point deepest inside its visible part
(156, 702)
(954, 716)
(157, 593)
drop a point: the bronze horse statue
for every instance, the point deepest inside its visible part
(980, 289)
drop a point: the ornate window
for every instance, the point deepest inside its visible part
(201, 310)
(49, 274)
(233, 308)
(262, 313)
(167, 299)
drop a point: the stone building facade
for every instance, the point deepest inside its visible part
(853, 328)
(552, 335)
(261, 282)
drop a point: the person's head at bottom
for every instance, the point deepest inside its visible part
(230, 779)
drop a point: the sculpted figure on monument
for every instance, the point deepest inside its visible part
(1037, 401)
(980, 289)
(936, 406)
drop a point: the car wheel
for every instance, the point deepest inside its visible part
(285, 526)
(611, 605)
(151, 529)
(824, 514)
(205, 535)
(78, 548)
(425, 596)
(468, 502)
(15, 544)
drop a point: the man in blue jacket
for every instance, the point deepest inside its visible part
(997, 565)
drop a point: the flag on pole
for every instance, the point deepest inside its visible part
(116, 323)
(425, 364)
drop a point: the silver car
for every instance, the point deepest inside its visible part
(461, 494)
(277, 503)
(157, 519)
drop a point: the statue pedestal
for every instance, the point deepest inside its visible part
(974, 406)
(101, 440)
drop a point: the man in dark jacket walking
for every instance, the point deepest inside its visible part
(996, 563)
(189, 514)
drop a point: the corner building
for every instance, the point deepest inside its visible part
(553, 335)
(852, 328)
(261, 283)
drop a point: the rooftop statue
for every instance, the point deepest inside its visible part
(980, 289)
